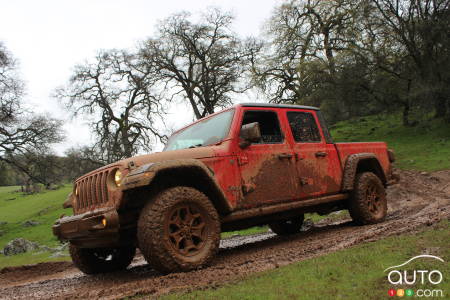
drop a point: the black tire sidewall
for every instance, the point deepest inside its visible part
(86, 260)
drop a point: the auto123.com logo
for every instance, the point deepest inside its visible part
(428, 279)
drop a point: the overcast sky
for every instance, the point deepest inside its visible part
(49, 37)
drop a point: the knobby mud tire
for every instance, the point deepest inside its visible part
(368, 204)
(101, 260)
(161, 242)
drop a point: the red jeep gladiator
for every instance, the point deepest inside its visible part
(249, 165)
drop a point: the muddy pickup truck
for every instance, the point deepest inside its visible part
(249, 165)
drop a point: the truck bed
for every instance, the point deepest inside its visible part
(378, 148)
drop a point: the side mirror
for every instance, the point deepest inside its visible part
(250, 133)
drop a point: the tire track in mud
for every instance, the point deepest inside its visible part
(421, 199)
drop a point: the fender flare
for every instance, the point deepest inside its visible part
(146, 174)
(351, 167)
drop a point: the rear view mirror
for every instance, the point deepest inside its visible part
(250, 133)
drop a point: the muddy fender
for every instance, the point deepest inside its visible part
(358, 163)
(187, 168)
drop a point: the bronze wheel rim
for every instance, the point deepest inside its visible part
(373, 199)
(186, 228)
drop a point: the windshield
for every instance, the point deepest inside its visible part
(203, 133)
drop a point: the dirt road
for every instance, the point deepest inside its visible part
(421, 199)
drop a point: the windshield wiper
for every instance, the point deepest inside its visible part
(195, 146)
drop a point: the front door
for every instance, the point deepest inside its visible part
(268, 168)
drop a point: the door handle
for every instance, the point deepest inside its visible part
(321, 154)
(284, 156)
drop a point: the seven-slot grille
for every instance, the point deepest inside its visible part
(92, 190)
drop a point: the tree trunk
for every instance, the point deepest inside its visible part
(447, 116)
(406, 105)
(329, 53)
(127, 146)
(406, 109)
(440, 106)
(28, 188)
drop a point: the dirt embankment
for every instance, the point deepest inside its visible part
(421, 199)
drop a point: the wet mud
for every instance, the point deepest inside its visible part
(419, 200)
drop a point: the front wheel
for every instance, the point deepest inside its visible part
(101, 260)
(179, 230)
(286, 227)
(368, 204)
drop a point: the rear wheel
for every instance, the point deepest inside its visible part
(290, 226)
(368, 204)
(179, 230)
(101, 260)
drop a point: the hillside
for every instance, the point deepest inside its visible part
(423, 147)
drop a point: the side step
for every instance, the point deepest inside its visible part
(272, 209)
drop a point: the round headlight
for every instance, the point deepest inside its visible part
(118, 177)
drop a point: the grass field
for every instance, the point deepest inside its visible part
(354, 273)
(17, 208)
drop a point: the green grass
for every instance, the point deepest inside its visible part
(354, 273)
(30, 258)
(16, 208)
(249, 231)
(44, 208)
(425, 146)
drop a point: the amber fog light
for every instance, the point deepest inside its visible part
(118, 177)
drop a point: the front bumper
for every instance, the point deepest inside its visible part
(98, 228)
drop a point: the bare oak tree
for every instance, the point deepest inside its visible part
(421, 30)
(204, 61)
(358, 57)
(117, 92)
(303, 37)
(21, 133)
(11, 87)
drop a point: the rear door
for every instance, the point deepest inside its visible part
(317, 162)
(268, 168)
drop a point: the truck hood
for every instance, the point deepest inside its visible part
(195, 153)
(192, 153)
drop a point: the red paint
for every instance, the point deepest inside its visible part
(262, 173)
(255, 176)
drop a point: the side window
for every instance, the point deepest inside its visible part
(303, 127)
(268, 123)
(323, 124)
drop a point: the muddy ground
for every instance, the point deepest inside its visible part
(421, 199)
